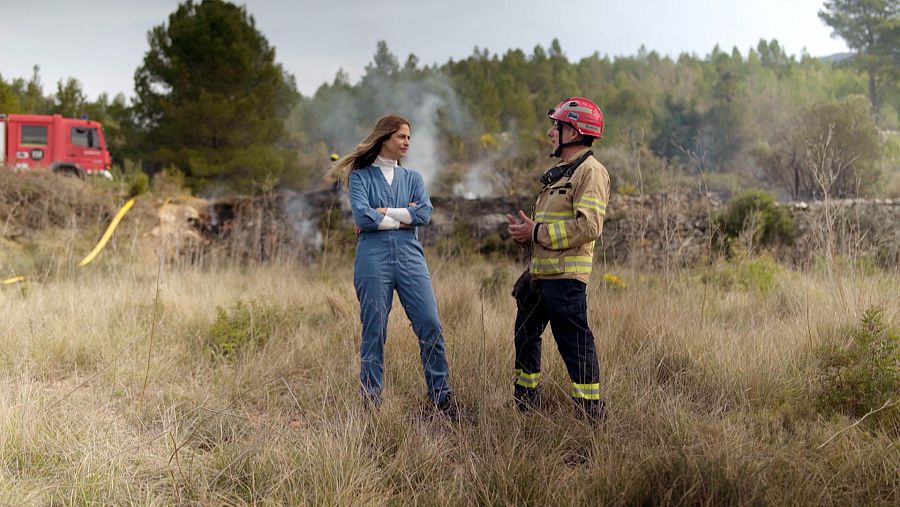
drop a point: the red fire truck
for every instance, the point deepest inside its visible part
(29, 141)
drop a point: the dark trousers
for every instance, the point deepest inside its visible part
(562, 303)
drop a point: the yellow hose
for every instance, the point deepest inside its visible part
(108, 234)
(15, 279)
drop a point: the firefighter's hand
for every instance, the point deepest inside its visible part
(520, 231)
(383, 211)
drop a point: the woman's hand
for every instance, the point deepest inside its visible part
(357, 230)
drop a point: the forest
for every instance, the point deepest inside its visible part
(741, 118)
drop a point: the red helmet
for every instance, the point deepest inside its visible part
(582, 114)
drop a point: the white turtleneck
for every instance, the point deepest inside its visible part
(394, 216)
(387, 167)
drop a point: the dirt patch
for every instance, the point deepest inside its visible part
(180, 222)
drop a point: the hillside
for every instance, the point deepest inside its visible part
(49, 220)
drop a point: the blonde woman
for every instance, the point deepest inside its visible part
(388, 201)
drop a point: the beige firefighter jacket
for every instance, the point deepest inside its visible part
(570, 214)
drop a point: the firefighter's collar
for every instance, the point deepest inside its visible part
(565, 169)
(574, 157)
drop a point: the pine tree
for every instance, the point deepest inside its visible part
(70, 100)
(211, 99)
(870, 27)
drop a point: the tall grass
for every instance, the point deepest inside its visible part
(710, 383)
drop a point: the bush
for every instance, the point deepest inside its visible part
(865, 375)
(759, 274)
(127, 177)
(138, 183)
(243, 326)
(169, 182)
(755, 212)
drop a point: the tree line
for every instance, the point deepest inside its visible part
(212, 102)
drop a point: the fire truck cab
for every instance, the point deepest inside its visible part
(29, 141)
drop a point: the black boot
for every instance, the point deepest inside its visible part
(371, 402)
(594, 411)
(449, 408)
(527, 398)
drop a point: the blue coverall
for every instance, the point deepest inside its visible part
(388, 260)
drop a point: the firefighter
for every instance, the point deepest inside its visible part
(566, 220)
(388, 202)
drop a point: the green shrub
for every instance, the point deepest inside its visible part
(755, 209)
(169, 182)
(243, 326)
(129, 178)
(863, 376)
(760, 274)
(138, 183)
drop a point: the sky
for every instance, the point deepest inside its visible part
(102, 42)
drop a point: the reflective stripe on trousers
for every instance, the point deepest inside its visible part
(562, 304)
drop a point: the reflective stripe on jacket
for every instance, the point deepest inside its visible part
(570, 212)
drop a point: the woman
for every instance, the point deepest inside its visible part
(388, 201)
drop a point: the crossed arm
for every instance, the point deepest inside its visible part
(369, 219)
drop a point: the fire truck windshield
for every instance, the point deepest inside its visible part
(86, 137)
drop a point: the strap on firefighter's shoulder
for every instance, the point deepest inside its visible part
(557, 172)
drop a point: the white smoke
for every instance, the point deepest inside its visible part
(424, 149)
(488, 175)
(301, 216)
(346, 115)
(478, 180)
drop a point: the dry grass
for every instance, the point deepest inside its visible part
(709, 387)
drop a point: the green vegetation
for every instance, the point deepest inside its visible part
(759, 274)
(220, 109)
(755, 213)
(861, 373)
(212, 100)
(240, 327)
(872, 29)
(833, 148)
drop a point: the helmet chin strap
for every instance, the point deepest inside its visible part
(559, 143)
(559, 135)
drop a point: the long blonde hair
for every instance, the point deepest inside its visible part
(368, 149)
